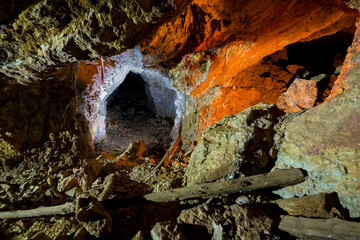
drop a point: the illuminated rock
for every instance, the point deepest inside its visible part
(301, 94)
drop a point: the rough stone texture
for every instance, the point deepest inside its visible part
(87, 173)
(325, 141)
(253, 223)
(68, 183)
(317, 206)
(93, 216)
(214, 47)
(237, 144)
(52, 33)
(239, 93)
(301, 94)
(202, 215)
(41, 121)
(166, 230)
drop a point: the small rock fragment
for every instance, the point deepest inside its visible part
(109, 183)
(166, 230)
(81, 234)
(93, 216)
(71, 192)
(321, 205)
(253, 223)
(139, 236)
(88, 173)
(301, 94)
(53, 169)
(68, 183)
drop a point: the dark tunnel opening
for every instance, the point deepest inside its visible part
(132, 99)
(131, 116)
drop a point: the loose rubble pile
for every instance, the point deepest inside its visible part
(104, 197)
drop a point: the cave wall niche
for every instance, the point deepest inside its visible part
(165, 102)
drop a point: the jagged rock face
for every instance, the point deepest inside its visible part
(230, 38)
(53, 33)
(238, 144)
(325, 141)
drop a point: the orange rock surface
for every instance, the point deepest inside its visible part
(301, 94)
(351, 61)
(216, 49)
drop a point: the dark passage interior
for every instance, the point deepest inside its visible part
(132, 98)
(322, 55)
(321, 60)
(131, 116)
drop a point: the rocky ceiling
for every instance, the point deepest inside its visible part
(51, 34)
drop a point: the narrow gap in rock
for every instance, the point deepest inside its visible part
(322, 58)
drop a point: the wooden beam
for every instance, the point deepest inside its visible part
(63, 209)
(320, 228)
(277, 179)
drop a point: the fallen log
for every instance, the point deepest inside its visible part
(63, 209)
(277, 179)
(320, 228)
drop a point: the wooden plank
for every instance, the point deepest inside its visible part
(63, 209)
(277, 179)
(320, 228)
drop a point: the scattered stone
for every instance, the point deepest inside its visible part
(325, 142)
(318, 206)
(301, 94)
(139, 236)
(199, 215)
(236, 145)
(71, 192)
(252, 223)
(93, 216)
(51, 182)
(88, 173)
(41, 236)
(64, 173)
(53, 169)
(81, 234)
(68, 183)
(167, 230)
(135, 149)
(109, 184)
(218, 232)
(242, 200)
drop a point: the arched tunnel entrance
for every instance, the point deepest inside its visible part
(131, 115)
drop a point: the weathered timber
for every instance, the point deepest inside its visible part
(63, 209)
(277, 179)
(320, 228)
(167, 155)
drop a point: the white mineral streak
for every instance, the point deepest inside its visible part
(168, 102)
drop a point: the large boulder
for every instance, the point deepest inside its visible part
(238, 144)
(325, 141)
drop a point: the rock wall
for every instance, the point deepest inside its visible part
(53, 33)
(41, 119)
(325, 141)
(216, 51)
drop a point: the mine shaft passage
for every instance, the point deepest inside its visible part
(131, 116)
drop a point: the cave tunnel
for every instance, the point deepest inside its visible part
(131, 115)
(132, 99)
(322, 55)
(321, 59)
